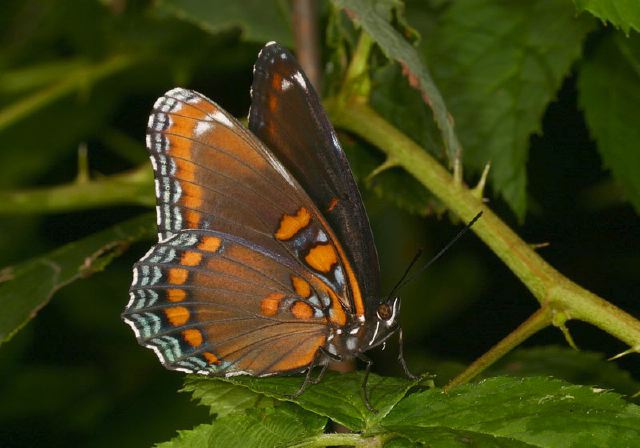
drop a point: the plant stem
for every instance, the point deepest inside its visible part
(133, 187)
(81, 77)
(536, 322)
(346, 439)
(549, 287)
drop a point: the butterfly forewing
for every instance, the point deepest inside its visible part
(287, 116)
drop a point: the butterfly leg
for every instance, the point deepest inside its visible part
(363, 386)
(403, 363)
(308, 380)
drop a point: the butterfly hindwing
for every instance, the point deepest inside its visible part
(210, 303)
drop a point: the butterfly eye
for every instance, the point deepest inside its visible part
(384, 311)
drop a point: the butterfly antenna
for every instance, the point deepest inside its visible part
(406, 271)
(405, 279)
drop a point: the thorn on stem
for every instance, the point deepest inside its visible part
(478, 190)
(387, 164)
(634, 349)
(559, 321)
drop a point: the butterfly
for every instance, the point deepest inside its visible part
(265, 262)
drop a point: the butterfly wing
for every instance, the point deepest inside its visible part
(247, 276)
(209, 303)
(287, 116)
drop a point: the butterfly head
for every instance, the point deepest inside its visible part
(383, 321)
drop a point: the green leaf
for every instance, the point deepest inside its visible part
(223, 397)
(374, 20)
(396, 101)
(499, 64)
(624, 14)
(451, 438)
(337, 396)
(609, 93)
(276, 426)
(576, 367)
(258, 20)
(27, 287)
(538, 411)
(197, 437)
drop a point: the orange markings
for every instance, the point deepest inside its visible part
(191, 195)
(322, 257)
(192, 336)
(336, 314)
(351, 276)
(176, 295)
(182, 125)
(302, 310)
(292, 224)
(210, 243)
(211, 358)
(300, 286)
(302, 356)
(273, 103)
(185, 170)
(332, 204)
(177, 315)
(191, 258)
(179, 147)
(193, 219)
(276, 83)
(178, 276)
(269, 305)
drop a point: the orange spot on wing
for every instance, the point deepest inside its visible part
(355, 289)
(177, 315)
(191, 258)
(191, 195)
(181, 125)
(302, 310)
(178, 276)
(332, 204)
(276, 83)
(273, 103)
(351, 276)
(193, 219)
(322, 257)
(193, 337)
(303, 356)
(179, 146)
(176, 295)
(211, 358)
(336, 314)
(185, 170)
(300, 286)
(210, 243)
(269, 305)
(292, 224)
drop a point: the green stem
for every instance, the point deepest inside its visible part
(346, 439)
(548, 286)
(133, 187)
(75, 80)
(358, 70)
(536, 322)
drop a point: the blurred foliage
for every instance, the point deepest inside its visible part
(547, 95)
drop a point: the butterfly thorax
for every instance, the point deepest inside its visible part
(365, 333)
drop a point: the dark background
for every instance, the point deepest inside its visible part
(75, 376)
